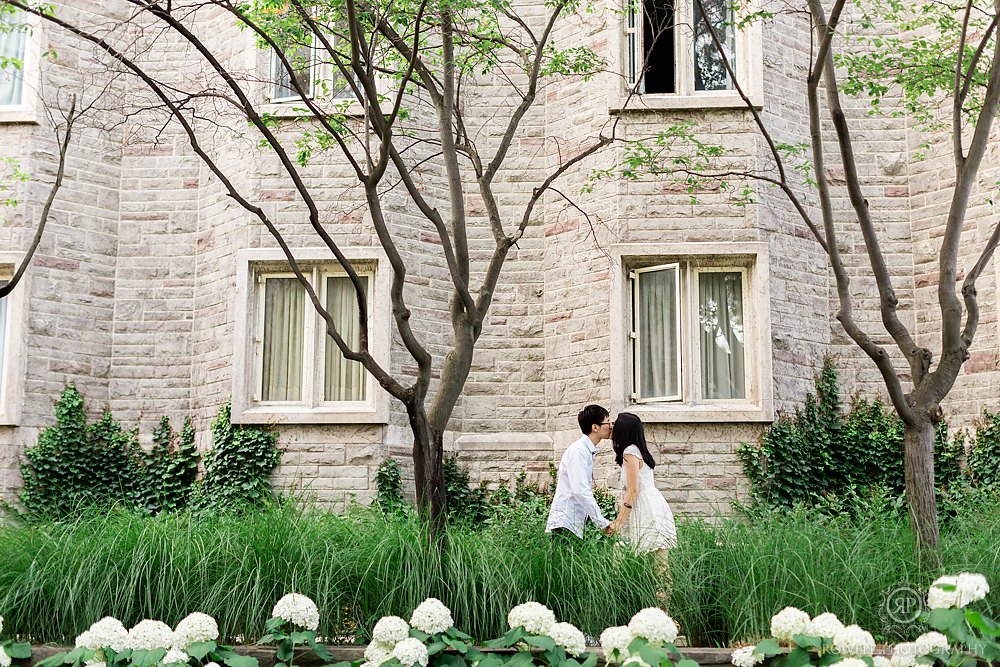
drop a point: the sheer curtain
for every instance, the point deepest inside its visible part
(301, 59)
(659, 367)
(12, 45)
(284, 310)
(720, 316)
(3, 333)
(709, 69)
(344, 380)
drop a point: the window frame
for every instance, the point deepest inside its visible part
(751, 259)
(636, 361)
(292, 106)
(748, 64)
(274, 67)
(28, 110)
(254, 267)
(12, 359)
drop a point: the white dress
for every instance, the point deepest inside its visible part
(650, 524)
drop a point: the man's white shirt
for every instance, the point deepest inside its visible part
(574, 501)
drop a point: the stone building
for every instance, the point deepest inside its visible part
(155, 294)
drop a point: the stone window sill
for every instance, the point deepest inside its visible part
(325, 415)
(296, 109)
(645, 103)
(730, 413)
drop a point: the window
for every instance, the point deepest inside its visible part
(11, 342)
(13, 50)
(287, 368)
(664, 55)
(314, 71)
(693, 333)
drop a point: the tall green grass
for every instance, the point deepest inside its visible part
(727, 577)
(730, 577)
(55, 580)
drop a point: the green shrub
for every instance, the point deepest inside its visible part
(820, 455)
(984, 453)
(389, 483)
(171, 468)
(465, 502)
(238, 468)
(76, 465)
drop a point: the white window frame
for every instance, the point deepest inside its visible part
(275, 66)
(12, 359)
(636, 362)
(748, 64)
(254, 265)
(752, 261)
(28, 110)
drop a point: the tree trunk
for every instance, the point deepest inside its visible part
(428, 472)
(918, 465)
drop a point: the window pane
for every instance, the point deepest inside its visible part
(3, 334)
(13, 38)
(284, 311)
(658, 36)
(709, 70)
(344, 380)
(720, 316)
(659, 367)
(301, 59)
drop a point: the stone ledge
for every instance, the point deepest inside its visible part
(503, 441)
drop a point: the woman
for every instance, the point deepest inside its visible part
(645, 521)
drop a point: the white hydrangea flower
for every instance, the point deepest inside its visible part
(195, 627)
(880, 661)
(363, 664)
(431, 616)
(653, 625)
(105, 633)
(931, 642)
(212, 664)
(789, 622)
(379, 652)
(4, 658)
(175, 657)
(149, 635)
(411, 652)
(969, 587)
(615, 641)
(96, 663)
(569, 637)
(853, 641)
(850, 662)
(535, 618)
(745, 657)
(904, 655)
(1, 623)
(390, 630)
(298, 610)
(825, 625)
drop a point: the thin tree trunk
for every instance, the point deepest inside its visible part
(918, 466)
(428, 472)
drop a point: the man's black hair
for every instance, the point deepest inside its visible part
(590, 415)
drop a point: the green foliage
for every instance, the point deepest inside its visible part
(389, 483)
(984, 453)
(821, 456)
(10, 169)
(238, 468)
(465, 503)
(76, 465)
(171, 468)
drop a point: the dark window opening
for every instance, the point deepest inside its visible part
(658, 52)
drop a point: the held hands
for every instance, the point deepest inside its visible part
(609, 530)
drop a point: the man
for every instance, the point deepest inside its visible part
(574, 501)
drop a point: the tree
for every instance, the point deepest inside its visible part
(407, 64)
(943, 52)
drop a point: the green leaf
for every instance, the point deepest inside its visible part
(19, 651)
(687, 662)
(767, 648)
(236, 660)
(320, 649)
(591, 660)
(540, 641)
(53, 660)
(521, 659)
(491, 660)
(284, 651)
(302, 636)
(798, 657)
(199, 650)
(807, 641)
(435, 647)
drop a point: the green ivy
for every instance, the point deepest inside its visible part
(984, 453)
(389, 483)
(820, 455)
(238, 468)
(76, 465)
(465, 502)
(171, 468)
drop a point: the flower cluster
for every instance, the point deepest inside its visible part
(957, 590)
(854, 642)
(615, 642)
(411, 652)
(653, 625)
(569, 637)
(298, 610)
(825, 625)
(149, 635)
(535, 618)
(789, 622)
(431, 616)
(194, 628)
(175, 657)
(4, 658)
(390, 630)
(105, 633)
(745, 657)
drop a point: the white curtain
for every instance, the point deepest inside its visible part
(659, 367)
(709, 69)
(284, 311)
(720, 315)
(13, 38)
(3, 333)
(301, 59)
(344, 380)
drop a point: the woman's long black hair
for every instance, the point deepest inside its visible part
(628, 431)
